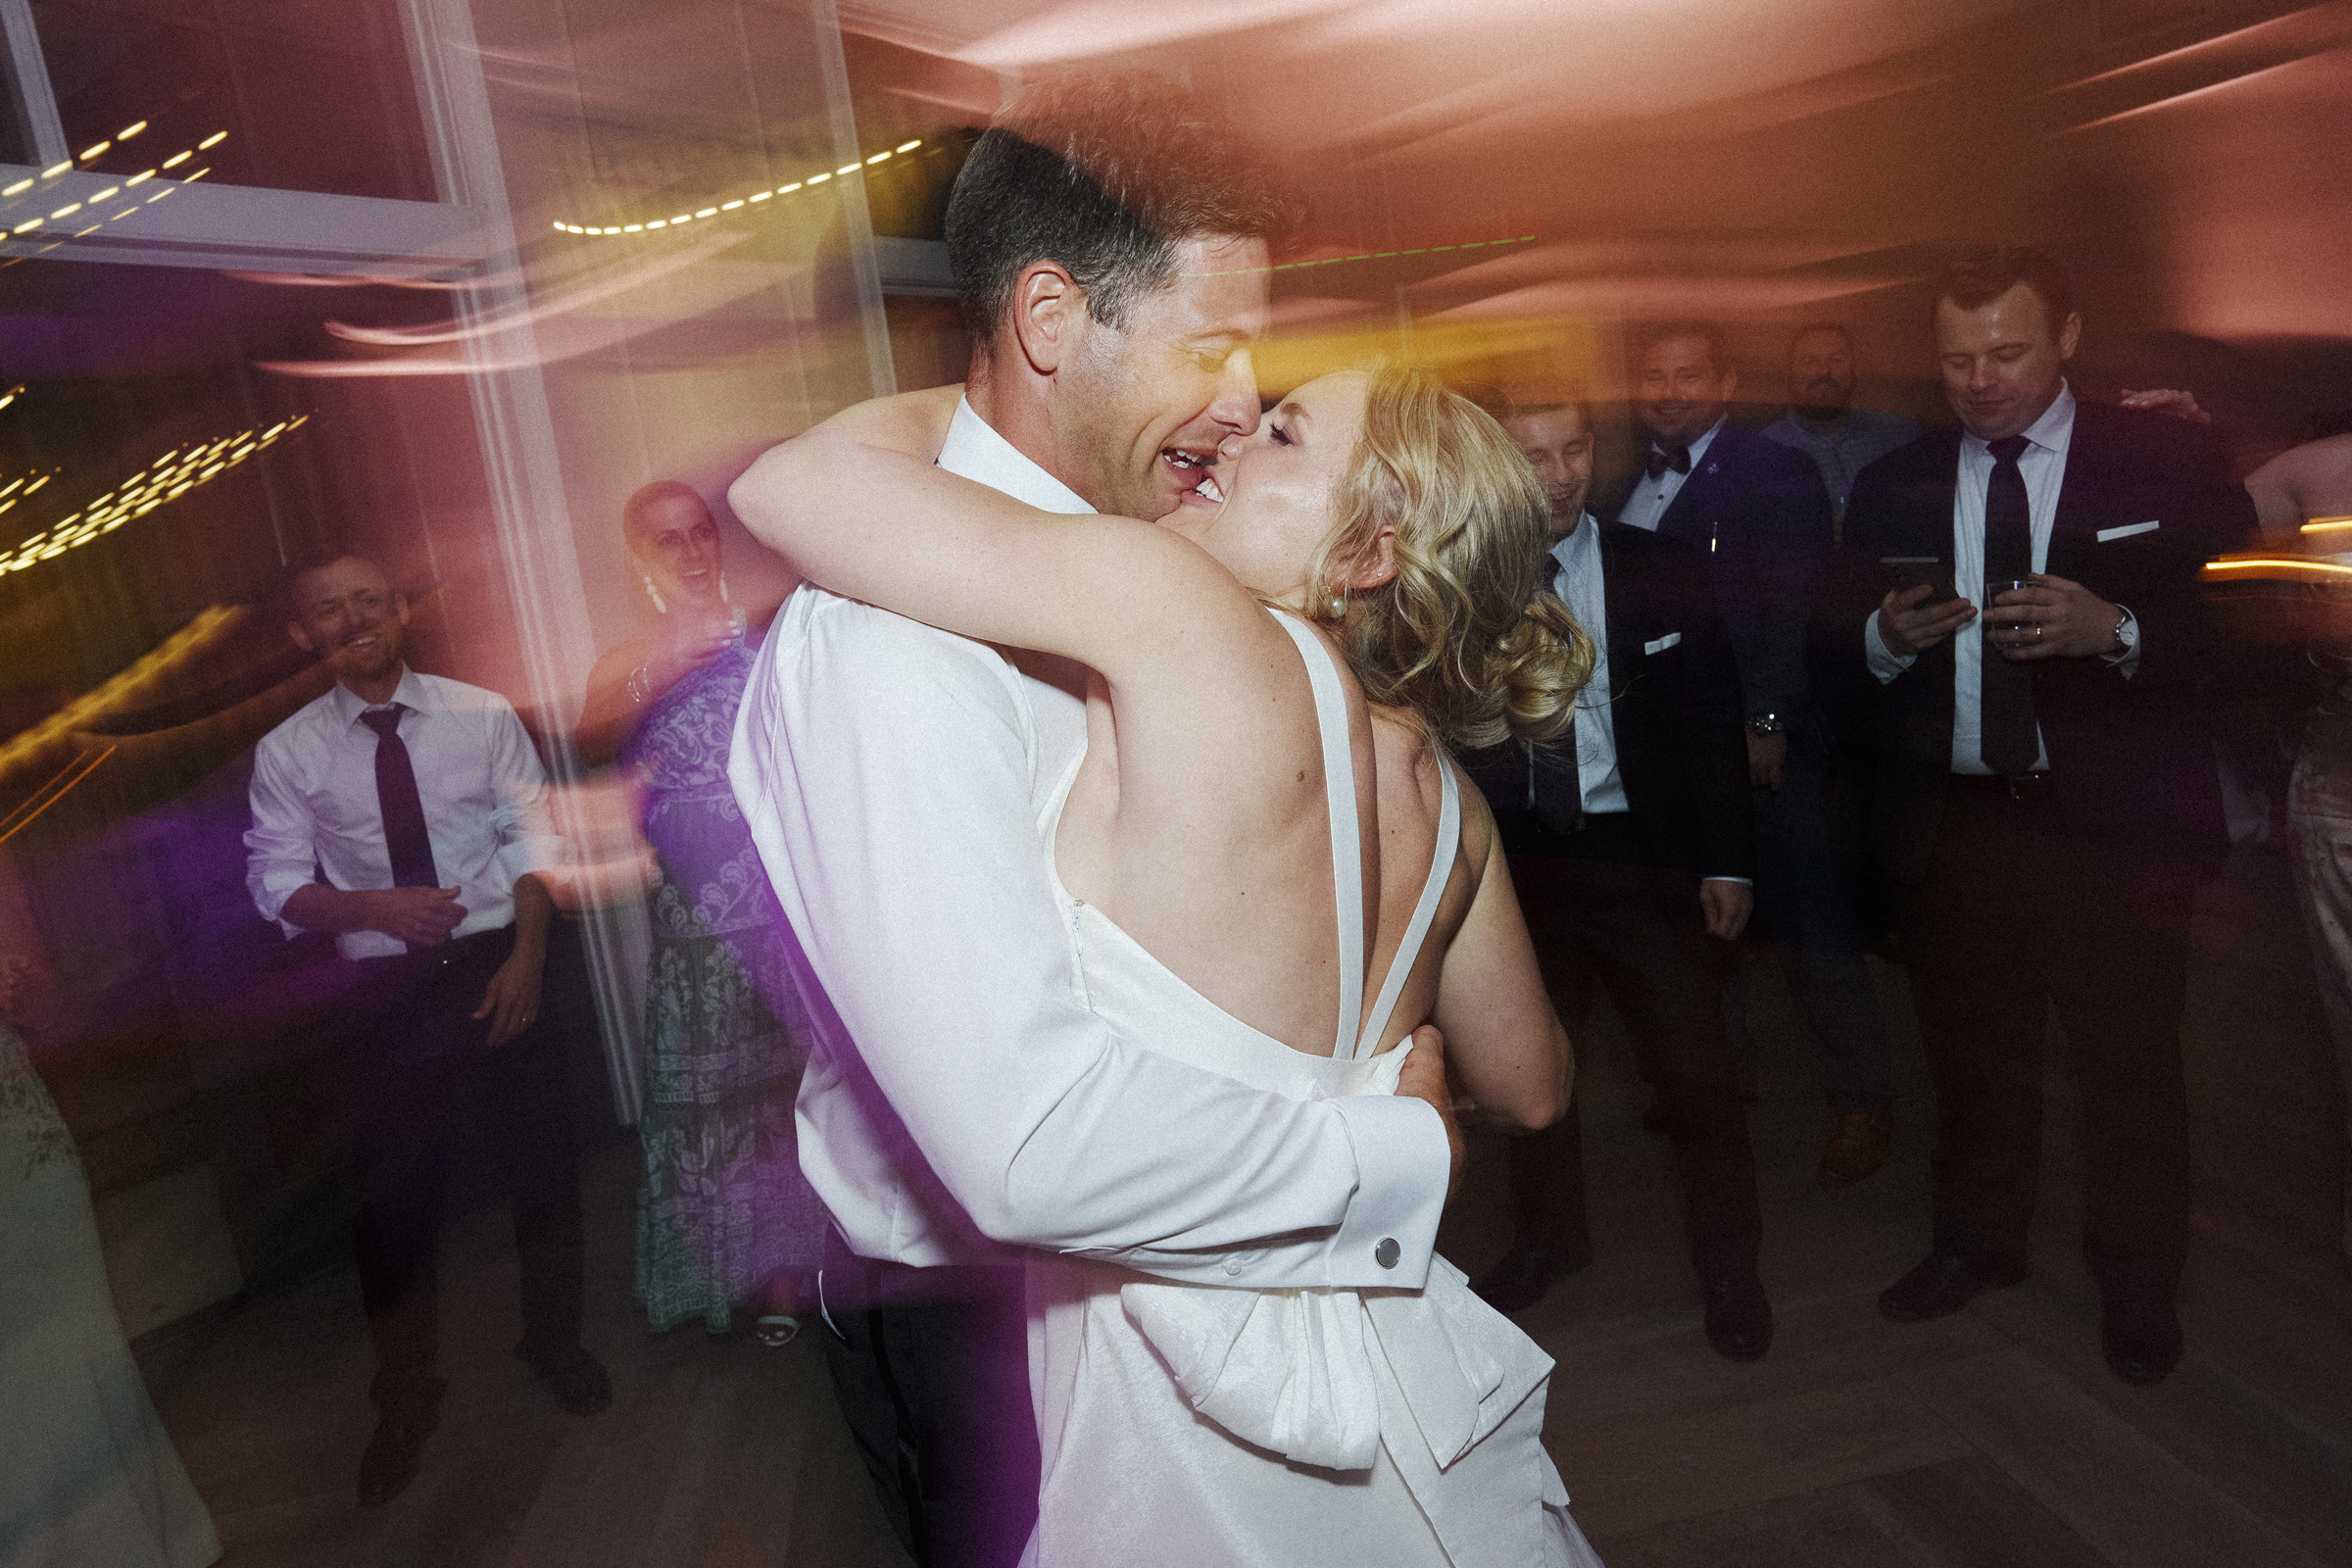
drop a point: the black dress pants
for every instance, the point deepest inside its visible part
(1603, 922)
(931, 1369)
(2016, 914)
(412, 1071)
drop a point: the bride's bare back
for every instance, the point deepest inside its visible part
(1217, 858)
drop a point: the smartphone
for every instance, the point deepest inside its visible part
(1909, 571)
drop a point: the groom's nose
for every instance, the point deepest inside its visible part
(1237, 406)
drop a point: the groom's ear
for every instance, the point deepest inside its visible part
(1049, 311)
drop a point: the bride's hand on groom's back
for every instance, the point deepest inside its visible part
(1422, 1078)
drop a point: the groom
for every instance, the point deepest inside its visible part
(1109, 242)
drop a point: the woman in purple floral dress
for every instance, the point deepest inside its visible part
(724, 1217)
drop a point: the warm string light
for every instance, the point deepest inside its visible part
(89, 204)
(700, 213)
(10, 493)
(12, 394)
(2315, 525)
(168, 478)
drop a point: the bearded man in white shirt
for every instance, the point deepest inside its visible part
(418, 798)
(1109, 242)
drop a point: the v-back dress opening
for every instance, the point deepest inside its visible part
(1182, 1424)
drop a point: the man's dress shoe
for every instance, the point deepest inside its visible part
(396, 1449)
(1526, 1273)
(1939, 1287)
(2141, 1336)
(575, 1378)
(1738, 1317)
(1857, 1148)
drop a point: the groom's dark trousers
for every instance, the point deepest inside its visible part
(931, 1368)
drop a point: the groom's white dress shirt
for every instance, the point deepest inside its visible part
(958, 1093)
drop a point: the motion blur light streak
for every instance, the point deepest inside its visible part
(2326, 525)
(2279, 567)
(1372, 256)
(167, 479)
(79, 768)
(757, 196)
(27, 225)
(551, 304)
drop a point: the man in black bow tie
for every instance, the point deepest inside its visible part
(1759, 512)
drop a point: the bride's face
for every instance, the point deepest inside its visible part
(1275, 491)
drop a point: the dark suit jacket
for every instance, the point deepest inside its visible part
(2131, 762)
(1758, 510)
(1673, 709)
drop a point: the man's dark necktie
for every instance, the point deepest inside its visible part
(1675, 456)
(2009, 738)
(406, 840)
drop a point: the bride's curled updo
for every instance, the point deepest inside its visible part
(1466, 632)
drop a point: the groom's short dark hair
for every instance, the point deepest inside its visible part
(1105, 174)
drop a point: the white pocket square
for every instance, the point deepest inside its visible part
(1661, 644)
(2149, 527)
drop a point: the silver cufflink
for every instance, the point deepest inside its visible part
(1386, 1252)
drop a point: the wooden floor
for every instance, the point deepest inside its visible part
(1994, 1438)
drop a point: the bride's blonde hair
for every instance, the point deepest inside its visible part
(1465, 633)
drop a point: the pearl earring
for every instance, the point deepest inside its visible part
(653, 593)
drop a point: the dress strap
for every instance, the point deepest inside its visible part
(1440, 869)
(1347, 832)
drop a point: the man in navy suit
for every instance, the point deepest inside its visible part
(1758, 510)
(2044, 797)
(1630, 849)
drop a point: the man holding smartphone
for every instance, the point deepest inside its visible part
(2045, 799)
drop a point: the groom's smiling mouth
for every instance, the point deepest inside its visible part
(1197, 484)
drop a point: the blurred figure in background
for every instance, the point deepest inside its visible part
(2309, 482)
(88, 1474)
(1630, 845)
(724, 1216)
(2044, 797)
(1822, 421)
(419, 801)
(1761, 515)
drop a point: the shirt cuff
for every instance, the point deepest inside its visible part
(1885, 662)
(2127, 659)
(1402, 1164)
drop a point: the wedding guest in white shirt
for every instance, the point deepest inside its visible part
(401, 812)
(1109, 243)
(1633, 850)
(2018, 604)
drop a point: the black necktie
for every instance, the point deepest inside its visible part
(2010, 740)
(1675, 456)
(406, 840)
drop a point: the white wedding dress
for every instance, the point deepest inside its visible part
(1189, 1425)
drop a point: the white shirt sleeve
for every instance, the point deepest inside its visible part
(281, 850)
(1885, 662)
(890, 792)
(526, 837)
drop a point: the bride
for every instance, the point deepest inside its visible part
(1231, 894)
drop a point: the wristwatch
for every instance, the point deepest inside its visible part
(1768, 724)
(2127, 633)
